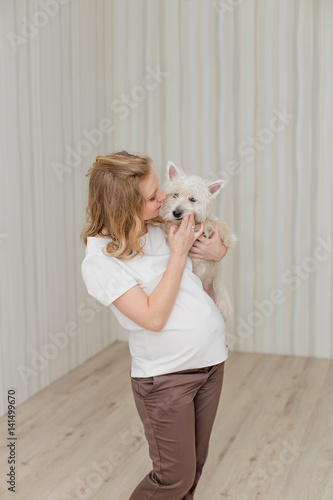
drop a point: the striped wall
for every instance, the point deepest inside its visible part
(239, 89)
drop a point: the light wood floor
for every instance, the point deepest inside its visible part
(81, 437)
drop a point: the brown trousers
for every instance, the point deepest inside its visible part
(177, 411)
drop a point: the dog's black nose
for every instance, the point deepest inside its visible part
(177, 213)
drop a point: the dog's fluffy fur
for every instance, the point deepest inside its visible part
(193, 195)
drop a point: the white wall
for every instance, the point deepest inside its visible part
(226, 72)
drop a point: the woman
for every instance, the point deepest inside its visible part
(177, 334)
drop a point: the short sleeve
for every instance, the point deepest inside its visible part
(105, 278)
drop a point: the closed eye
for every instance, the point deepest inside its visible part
(175, 195)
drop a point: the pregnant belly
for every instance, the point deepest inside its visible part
(195, 334)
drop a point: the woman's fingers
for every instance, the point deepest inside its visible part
(185, 222)
(198, 233)
(189, 225)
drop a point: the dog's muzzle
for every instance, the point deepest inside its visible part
(177, 214)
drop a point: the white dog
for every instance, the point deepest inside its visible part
(192, 195)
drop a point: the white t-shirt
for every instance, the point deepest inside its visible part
(194, 335)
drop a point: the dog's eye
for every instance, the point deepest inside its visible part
(175, 195)
(192, 199)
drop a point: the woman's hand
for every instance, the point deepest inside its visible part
(151, 312)
(209, 249)
(182, 240)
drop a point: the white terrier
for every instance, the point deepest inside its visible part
(192, 195)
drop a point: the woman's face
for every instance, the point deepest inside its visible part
(153, 196)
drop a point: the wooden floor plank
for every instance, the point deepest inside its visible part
(272, 439)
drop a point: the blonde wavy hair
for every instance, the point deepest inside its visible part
(115, 202)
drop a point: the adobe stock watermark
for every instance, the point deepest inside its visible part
(87, 310)
(121, 106)
(250, 146)
(293, 277)
(223, 7)
(103, 471)
(30, 27)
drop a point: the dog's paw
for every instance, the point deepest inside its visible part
(228, 238)
(230, 241)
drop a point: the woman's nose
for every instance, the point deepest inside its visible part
(162, 195)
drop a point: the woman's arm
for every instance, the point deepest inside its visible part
(152, 312)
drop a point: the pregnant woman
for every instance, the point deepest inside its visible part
(176, 333)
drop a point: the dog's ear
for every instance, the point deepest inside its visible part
(215, 187)
(172, 170)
